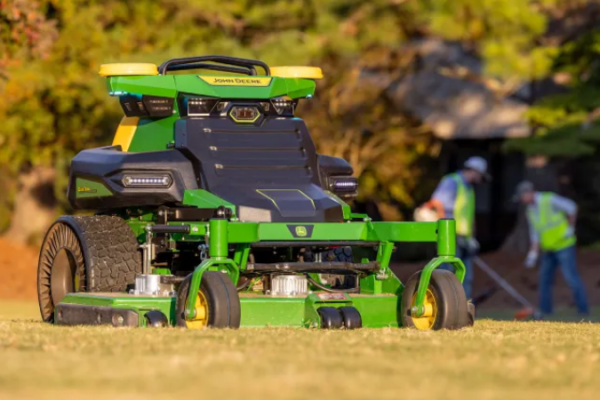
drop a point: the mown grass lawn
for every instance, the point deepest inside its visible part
(494, 360)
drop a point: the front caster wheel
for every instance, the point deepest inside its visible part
(351, 317)
(445, 303)
(217, 303)
(331, 318)
(156, 319)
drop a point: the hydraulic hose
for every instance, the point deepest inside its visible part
(331, 290)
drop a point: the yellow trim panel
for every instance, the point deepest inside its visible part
(297, 72)
(235, 81)
(125, 132)
(131, 69)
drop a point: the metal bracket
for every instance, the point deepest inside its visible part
(459, 269)
(232, 271)
(203, 248)
(147, 248)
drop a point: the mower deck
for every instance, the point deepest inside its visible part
(120, 309)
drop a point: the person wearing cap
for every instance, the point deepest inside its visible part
(455, 198)
(551, 221)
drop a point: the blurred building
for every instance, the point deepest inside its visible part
(446, 92)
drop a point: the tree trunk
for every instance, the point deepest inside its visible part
(34, 205)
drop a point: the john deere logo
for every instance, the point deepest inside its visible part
(301, 231)
(234, 81)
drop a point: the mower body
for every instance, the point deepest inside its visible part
(213, 172)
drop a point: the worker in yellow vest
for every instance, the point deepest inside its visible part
(455, 198)
(551, 221)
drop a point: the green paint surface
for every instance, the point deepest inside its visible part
(148, 85)
(171, 85)
(378, 311)
(153, 134)
(203, 199)
(260, 311)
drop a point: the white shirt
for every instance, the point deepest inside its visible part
(558, 204)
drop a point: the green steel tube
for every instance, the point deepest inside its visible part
(233, 271)
(218, 244)
(218, 250)
(195, 286)
(446, 249)
(459, 271)
(446, 240)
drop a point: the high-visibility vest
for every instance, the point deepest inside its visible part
(551, 226)
(464, 206)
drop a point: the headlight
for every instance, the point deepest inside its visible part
(147, 181)
(200, 106)
(283, 106)
(344, 186)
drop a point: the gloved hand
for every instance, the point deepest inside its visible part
(531, 259)
(425, 214)
(570, 231)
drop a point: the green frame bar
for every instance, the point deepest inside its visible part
(221, 233)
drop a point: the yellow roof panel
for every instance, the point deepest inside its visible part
(297, 72)
(122, 69)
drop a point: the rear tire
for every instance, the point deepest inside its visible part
(447, 299)
(85, 254)
(218, 303)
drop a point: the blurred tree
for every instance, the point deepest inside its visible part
(26, 35)
(53, 104)
(566, 124)
(566, 131)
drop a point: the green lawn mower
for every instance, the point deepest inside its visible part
(213, 209)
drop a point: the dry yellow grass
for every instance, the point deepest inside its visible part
(495, 360)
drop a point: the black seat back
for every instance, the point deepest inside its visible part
(271, 167)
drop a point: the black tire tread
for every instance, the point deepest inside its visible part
(111, 248)
(235, 307)
(224, 308)
(59, 236)
(331, 318)
(351, 317)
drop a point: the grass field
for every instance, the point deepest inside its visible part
(494, 360)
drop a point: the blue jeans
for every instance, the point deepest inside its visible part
(567, 260)
(468, 261)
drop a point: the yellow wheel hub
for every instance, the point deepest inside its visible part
(200, 319)
(427, 320)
